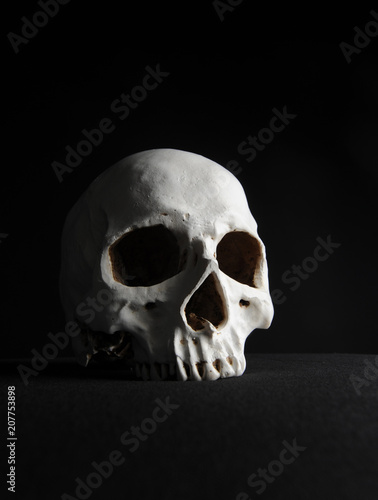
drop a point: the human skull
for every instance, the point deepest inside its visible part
(162, 267)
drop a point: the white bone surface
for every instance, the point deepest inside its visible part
(200, 202)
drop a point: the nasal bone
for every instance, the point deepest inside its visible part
(206, 305)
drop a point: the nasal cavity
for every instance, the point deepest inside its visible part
(206, 304)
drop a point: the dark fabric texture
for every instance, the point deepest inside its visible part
(213, 439)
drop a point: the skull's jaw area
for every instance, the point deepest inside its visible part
(202, 370)
(194, 358)
(209, 354)
(100, 348)
(92, 346)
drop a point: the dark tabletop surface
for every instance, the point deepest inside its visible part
(199, 440)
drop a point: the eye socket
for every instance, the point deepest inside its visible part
(146, 256)
(239, 256)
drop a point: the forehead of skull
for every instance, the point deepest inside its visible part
(166, 180)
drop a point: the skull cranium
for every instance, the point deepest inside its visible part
(165, 241)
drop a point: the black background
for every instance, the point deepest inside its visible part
(316, 178)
